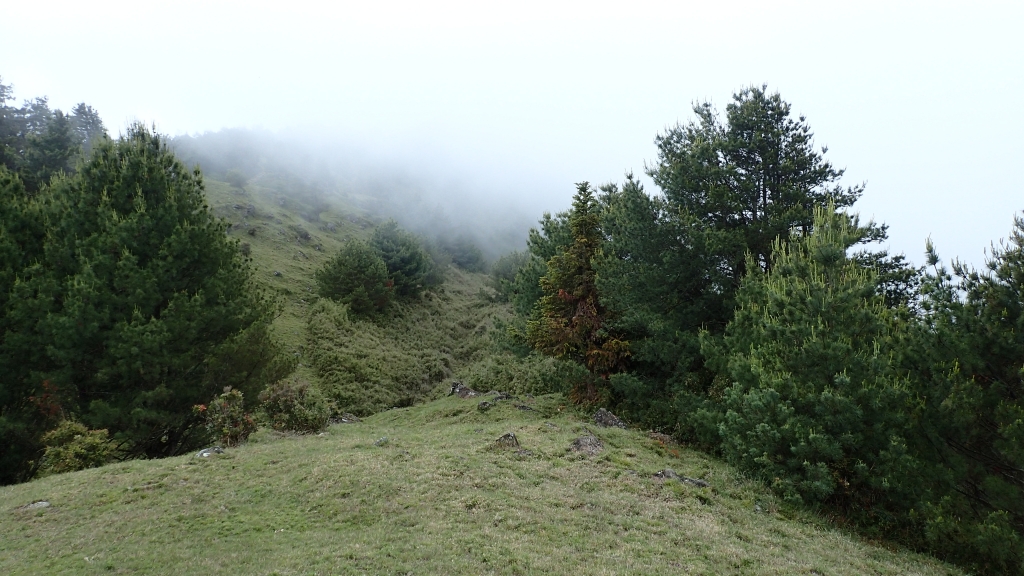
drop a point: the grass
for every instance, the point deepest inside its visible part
(422, 489)
(437, 496)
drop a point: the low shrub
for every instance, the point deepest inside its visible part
(295, 405)
(226, 417)
(71, 446)
(532, 374)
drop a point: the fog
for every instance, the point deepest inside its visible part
(492, 113)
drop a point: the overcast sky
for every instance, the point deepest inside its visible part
(923, 101)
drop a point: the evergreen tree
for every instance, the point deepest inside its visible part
(50, 152)
(968, 369)
(569, 321)
(816, 404)
(407, 262)
(88, 127)
(139, 308)
(356, 276)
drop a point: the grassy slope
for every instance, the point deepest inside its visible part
(436, 497)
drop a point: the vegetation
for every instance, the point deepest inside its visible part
(124, 304)
(358, 277)
(435, 497)
(739, 311)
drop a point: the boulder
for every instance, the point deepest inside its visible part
(462, 391)
(207, 452)
(589, 445)
(484, 406)
(507, 441)
(605, 418)
(347, 418)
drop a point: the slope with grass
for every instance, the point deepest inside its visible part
(426, 490)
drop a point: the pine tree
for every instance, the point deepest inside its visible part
(358, 277)
(815, 407)
(968, 368)
(569, 320)
(140, 306)
(407, 262)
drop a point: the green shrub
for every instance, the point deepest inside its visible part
(71, 446)
(503, 273)
(227, 419)
(356, 276)
(465, 253)
(408, 264)
(295, 405)
(532, 374)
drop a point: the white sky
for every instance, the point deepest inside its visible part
(922, 100)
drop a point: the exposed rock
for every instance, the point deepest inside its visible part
(589, 445)
(523, 452)
(663, 438)
(36, 504)
(462, 391)
(670, 474)
(207, 452)
(277, 272)
(507, 441)
(484, 406)
(499, 396)
(347, 418)
(524, 407)
(382, 441)
(605, 418)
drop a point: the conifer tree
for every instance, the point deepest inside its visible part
(815, 405)
(569, 320)
(356, 276)
(139, 306)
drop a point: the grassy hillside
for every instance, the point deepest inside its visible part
(425, 490)
(422, 489)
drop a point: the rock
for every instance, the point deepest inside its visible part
(667, 474)
(524, 407)
(605, 418)
(382, 441)
(551, 425)
(663, 438)
(462, 391)
(523, 452)
(277, 272)
(670, 474)
(507, 441)
(207, 452)
(484, 406)
(347, 418)
(36, 504)
(589, 445)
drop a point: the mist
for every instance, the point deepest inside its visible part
(487, 116)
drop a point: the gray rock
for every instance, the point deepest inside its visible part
(524, 408)
(589, 445)
(484, 406)
(462, 391)
(347, 418)
(36, 504)
(670, 474)
(605, 418)
(382, 441)
(507, 441)
(207, 452)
